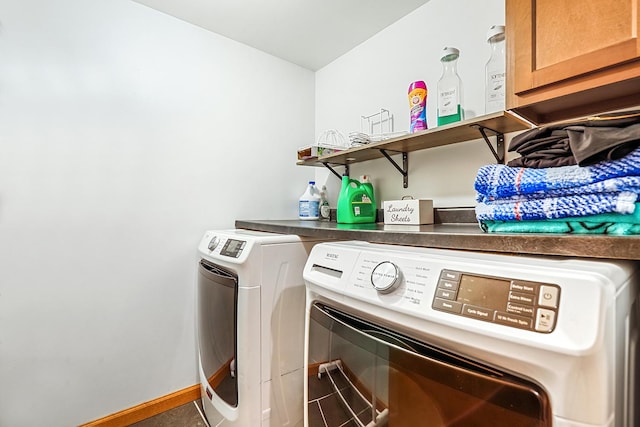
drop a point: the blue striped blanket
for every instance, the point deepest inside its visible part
(507, 193)
(557, 207)
(612, 185)
(501, 181)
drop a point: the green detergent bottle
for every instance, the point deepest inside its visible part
(356, 203)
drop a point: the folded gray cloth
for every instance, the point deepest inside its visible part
(586, 142)
(593, 144)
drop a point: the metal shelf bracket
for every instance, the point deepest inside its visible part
(328, 166)
(498, 152)
(404, 170)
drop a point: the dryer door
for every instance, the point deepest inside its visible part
(374, 376)
(217, 320)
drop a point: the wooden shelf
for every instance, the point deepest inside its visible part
(454, 133)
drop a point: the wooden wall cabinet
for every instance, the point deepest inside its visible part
(569, 59)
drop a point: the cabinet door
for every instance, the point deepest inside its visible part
(561, 48)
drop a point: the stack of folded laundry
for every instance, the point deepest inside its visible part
(581, 177)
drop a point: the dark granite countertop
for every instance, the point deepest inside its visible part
(460, 236)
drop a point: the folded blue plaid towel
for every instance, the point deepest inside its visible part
(500, 181)
(608, 223)
(612, 185)
(557, 207)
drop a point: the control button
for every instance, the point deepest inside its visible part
(513, 320)
(478, 312)
(448, 285)
(528, 299)
(528, 287)
(385, 277)
(450, 275)
(548, 296)
(444, 305)
(213, 243)
(545, 320)
(240, 249)
(523, 310)
(446, 294)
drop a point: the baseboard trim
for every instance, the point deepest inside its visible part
(147, 409)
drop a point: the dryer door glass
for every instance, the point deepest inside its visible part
(217, 317)
(369, 375)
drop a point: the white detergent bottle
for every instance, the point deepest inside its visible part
(309, 203)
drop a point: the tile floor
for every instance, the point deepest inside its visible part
(187, 415)
(325, 408)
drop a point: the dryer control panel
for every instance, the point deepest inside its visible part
(521, 304)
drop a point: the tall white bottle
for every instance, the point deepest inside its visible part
(495, 80)
(450, 88)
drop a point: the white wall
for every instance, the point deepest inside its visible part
(377, 75)
(124, 135)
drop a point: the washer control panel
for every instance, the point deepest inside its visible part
(521, 304)
(233, 248)
(224, 245)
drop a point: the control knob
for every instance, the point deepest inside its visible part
(385, 277)
(213, 243)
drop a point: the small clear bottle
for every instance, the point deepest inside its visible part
(495, 81)
(325, 209)
(450, 88)
(309, 203)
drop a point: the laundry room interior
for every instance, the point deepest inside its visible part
(153, 150)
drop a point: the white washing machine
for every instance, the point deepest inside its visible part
(404, 336)
(250, 327)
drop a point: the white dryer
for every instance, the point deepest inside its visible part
(404, 336)
(250, 327)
